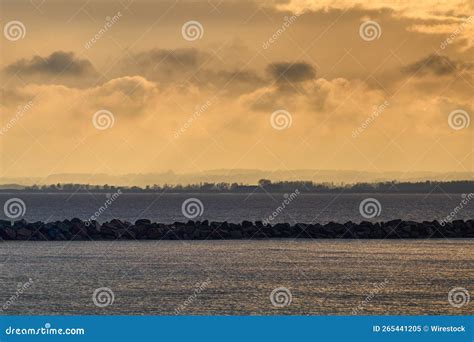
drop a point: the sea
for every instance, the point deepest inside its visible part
(244, 277)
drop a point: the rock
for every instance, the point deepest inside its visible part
(24, 234)
(153, 233)
(236, 234)
(143, 222)
(110, 229)
(76, 229)
(7, 233)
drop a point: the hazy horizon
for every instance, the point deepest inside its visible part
(244, 176)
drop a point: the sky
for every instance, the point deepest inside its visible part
(143, 86)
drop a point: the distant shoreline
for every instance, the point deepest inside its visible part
(263, 186)
(143, 229)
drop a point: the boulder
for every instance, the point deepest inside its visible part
(7, 233)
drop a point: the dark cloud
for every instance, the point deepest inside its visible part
(184, 58)
(58, 63)
(191, 66)
(291, 72)
(164, 66)
(437, 65)
(231, 82)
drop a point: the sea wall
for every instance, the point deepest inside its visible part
(77, 229)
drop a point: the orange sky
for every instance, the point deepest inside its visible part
(122, 87)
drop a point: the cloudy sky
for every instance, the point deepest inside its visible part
(137, 86)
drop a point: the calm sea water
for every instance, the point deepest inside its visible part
(237, 277)
(305, 208)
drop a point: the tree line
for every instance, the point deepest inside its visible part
(264, 185)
